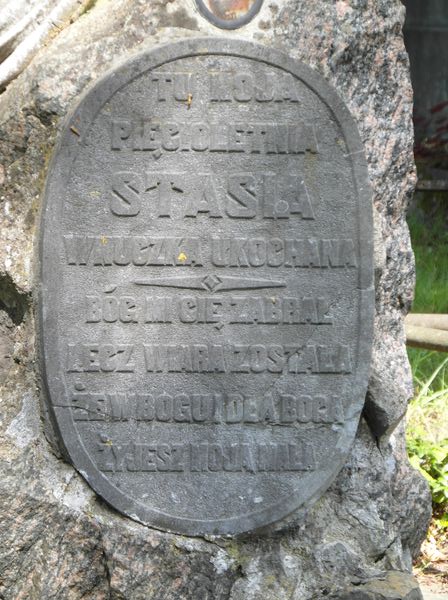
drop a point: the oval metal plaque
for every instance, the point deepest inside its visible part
(229, 14)
(206, 286)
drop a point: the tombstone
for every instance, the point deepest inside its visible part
(205, 364)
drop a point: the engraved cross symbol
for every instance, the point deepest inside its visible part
(212, 283)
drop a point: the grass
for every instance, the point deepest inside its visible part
(427, 430)
(430, 243)
(427, 412)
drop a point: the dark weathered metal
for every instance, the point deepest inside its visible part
(229, 14)
(206, 286)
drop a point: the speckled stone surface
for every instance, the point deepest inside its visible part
(58, 540)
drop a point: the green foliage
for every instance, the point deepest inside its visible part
(427, 431)
(432, 462)
(430, 243)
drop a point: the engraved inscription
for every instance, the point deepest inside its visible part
(239, 195)
(211, 408)
(227, 87)
(200, 136)
(203, 457)
(209, 358)
(106, 251)
(95, 358)
(241, 358)
(248, 310)
(206, 301)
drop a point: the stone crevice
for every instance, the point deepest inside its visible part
(14, 302)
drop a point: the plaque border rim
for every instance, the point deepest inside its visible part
(86, 107)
